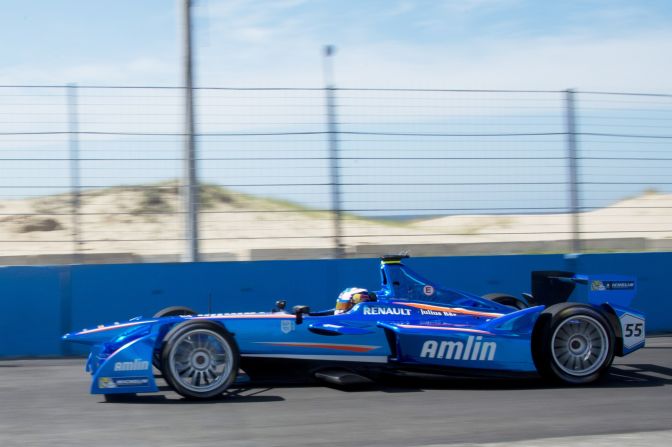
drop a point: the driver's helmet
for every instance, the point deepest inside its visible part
(351, 296)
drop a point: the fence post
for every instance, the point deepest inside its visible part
(75, 186)
(65, 309)
(572, 157)
(190, 180)
(332, 126)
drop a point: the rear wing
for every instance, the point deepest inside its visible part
(552, 287)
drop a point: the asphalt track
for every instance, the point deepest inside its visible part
(46, 403)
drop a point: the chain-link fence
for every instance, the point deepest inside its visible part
(93, 174)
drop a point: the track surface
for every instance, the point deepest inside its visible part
(46, 402)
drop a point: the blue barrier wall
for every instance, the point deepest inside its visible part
(30, 319)
(41, 303)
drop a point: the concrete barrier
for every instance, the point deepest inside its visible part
(41, 303)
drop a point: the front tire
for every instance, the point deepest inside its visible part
(174, 311)
(573, 344)
(200, 359)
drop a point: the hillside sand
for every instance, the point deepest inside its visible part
(146, 221)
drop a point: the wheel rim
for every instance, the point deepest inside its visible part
(580, 345)
(201, 360)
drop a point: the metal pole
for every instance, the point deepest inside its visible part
(332, 129)
(190, 181)
(75, 187)
(572, 156)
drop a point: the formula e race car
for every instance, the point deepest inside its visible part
(568, 330)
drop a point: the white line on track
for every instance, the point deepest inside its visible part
(638, 439)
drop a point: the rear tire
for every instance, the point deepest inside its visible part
(572, 344)
(200, 359)
(507, 300)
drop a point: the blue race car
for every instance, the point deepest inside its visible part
(568, 330)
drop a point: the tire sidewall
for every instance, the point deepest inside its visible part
(174, 311)
(506, 300)
(178, 331)
(171, 311)
(542, 339)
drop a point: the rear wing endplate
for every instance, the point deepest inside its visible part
(552, 287)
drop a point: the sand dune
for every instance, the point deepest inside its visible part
(145, 220)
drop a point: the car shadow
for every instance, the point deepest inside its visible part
(232, 396)
(634, 375)
(637, 375)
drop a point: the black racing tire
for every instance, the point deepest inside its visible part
(171, 311)
(174, 311)
(572, 344)
(200, 359)
(506, 300)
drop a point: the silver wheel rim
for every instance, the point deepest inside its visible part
(201, 360)
(579, 345)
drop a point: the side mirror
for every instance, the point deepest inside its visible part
(299, 311)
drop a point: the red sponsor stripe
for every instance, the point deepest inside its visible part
(349, 348)
(455, 310)
(441, 328)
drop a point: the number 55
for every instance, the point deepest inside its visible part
(633, 329)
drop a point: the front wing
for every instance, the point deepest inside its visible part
(128, 369)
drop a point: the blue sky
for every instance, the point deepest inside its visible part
(589, 44)
(603, 45)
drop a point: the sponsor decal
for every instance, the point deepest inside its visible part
(437, 313)
(474, 349)
(131, 381)
(386, 311)
(428, 290)
(120, 382)
(597, 285)
(287, 326)
(135, 365)
(106, 382)
(619, 285)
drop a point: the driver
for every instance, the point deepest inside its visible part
(351, 296)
